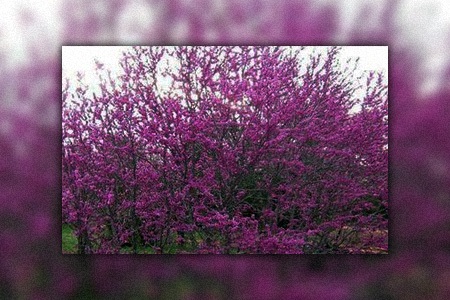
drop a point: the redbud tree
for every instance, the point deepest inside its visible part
(227, 150)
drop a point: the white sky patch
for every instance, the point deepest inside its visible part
(28, 22)
(424, 27)
(371, 58)
(81, 59)
(136, 20)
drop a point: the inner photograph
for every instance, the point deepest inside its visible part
(224, 150)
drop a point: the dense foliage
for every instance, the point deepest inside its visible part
(227, 150)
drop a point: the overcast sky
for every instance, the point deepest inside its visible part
(81, 59)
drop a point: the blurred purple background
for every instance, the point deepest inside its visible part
(31, 263)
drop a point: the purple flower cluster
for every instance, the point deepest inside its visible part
(249, 150)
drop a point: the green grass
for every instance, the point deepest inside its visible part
(69, 241)
(140, 250)
(69, 244)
